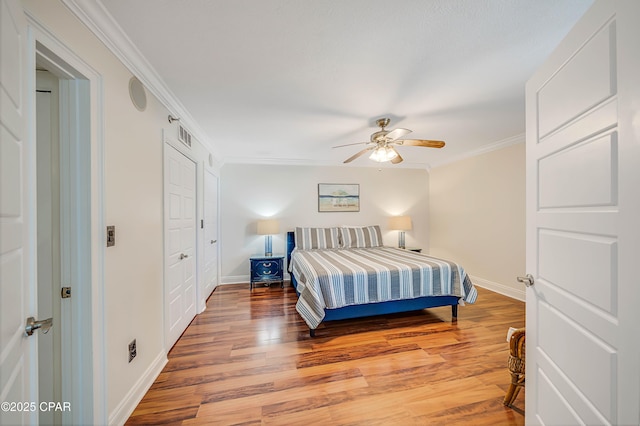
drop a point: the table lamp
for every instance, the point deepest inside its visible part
(400, 223)
(268, 227)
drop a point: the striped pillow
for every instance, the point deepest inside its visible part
(364, 237)
(317, 238)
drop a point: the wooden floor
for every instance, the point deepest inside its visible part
(248, 359)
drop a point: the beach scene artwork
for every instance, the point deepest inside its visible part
(337, 197)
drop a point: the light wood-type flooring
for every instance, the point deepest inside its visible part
(249, 360)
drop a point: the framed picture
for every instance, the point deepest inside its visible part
(338, 197)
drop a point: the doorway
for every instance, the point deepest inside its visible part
(69, 354)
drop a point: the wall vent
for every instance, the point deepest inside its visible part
(184, 136)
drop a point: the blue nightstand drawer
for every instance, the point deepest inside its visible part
(266, 268)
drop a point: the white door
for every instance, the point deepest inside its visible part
(18, 356)
(583, 224)
(180, 243)
(210, 233)
(48, 242)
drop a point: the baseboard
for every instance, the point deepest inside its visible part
(235, 279)
(243, 279)
(131, 400)
(514, 293)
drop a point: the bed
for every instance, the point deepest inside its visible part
(342, 273)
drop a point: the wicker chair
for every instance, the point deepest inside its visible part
(516, 365)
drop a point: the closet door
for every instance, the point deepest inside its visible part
(210, 234)
(179, 243)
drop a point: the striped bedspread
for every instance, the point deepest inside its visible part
(333, 278)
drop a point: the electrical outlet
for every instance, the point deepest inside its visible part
(133, 350)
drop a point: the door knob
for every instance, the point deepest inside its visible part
(214, 241)
(527, 280)
(33, 325)
(183, 256)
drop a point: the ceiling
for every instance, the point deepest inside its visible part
(283, 81)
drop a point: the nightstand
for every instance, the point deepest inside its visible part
(267, 269)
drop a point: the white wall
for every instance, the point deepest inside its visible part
(477, 211)
(290, 194)
(133, 203)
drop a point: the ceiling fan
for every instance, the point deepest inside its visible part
(383, 142)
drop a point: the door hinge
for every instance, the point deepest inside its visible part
(65, 293)
(111, 236)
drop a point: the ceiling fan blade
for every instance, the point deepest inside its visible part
(397, 159)
(420, 142)
(396, 133)
(350, 144)
(354, 156)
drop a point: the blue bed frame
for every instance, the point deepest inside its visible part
(381, 308)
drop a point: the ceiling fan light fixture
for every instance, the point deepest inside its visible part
(383, 142)
(382, 154)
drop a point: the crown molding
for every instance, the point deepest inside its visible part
(309, 162)
(483, 150)
(99, 21)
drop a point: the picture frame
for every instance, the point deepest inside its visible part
(338, 197)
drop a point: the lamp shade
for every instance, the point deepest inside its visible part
(400, 223)
(268, 227)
